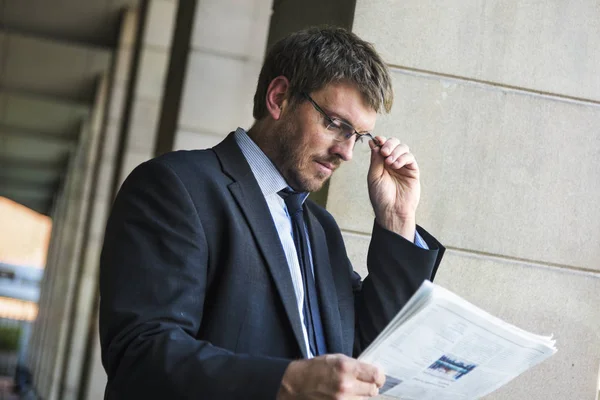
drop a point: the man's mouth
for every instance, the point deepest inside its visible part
(328, 166)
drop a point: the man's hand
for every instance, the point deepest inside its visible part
(333, 376)
(394, 186)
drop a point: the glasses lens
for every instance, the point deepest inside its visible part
(344, 131)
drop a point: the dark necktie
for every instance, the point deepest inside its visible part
(312, 317)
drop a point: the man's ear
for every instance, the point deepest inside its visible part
(277, 96)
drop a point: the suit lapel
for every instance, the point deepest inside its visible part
(247, 193)
(328, 302)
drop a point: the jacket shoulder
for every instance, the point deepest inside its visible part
(194, 165)
(182, 161)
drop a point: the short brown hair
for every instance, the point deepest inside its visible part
(315, 57)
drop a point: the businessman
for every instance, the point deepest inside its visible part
(220, 280)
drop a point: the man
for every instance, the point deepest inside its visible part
(219, 282)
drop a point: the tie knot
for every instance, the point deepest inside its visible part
(293, 200)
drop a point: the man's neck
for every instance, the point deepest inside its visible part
(260, 134)
(256, 133)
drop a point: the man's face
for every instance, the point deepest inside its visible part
(304, 150)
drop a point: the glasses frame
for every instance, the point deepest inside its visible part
(338, 121)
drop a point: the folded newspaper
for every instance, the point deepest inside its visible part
(440, 346)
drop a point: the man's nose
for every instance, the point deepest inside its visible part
(344, 148)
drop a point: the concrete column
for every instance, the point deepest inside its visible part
(63, 290)
(71, 365)
(500, 102)
(148, 85)
(41, 321)
(131, 124)
(97, 376)
(54, 281)
(226, 51)
(86, 166)
(105, 125)
(34, 344)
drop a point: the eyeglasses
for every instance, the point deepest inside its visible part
(341, 130)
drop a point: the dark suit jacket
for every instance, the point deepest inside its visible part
(196, 295)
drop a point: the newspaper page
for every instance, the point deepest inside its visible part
(440, 346)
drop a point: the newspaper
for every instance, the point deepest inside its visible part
(440, 346)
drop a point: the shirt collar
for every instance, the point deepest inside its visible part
(267, 175)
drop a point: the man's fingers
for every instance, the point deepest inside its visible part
(375, 144)
(369, 373)
(399, 157)
(405, 160)
(356, 388)
(388, 146)
(397, 152)
(380, 141)
(394, 153)
(379, 378)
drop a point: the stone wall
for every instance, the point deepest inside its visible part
(500, 104)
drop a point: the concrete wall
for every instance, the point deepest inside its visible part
(500, 103)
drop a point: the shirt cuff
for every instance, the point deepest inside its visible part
(419, 241)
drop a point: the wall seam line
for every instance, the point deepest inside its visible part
(488, 84)
(519, 260)
(224, 54)
(504, 258)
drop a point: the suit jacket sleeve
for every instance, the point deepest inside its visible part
(397, 268)
(152, 284)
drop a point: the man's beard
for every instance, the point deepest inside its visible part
(294, 160)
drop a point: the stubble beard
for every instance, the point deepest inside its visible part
(294, 160)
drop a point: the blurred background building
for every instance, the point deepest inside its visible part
(499, 100)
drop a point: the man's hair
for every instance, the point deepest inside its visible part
(315, 57)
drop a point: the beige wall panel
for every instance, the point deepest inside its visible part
(543, 300)
(122, 68)
(98, 223)
(152, 72)
(187, 140)
(144, 123)
(110, 140)
(218, 93)
(540, 299)
(103, 184)
(357, 246)
(503, 172)
(550, 46)
(160, 23)
(115, 114)
(232, 27)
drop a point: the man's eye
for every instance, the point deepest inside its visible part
(335, 125)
